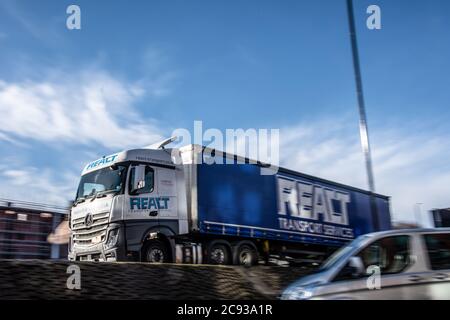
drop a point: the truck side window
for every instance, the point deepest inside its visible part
(438, 248)
(149, 180)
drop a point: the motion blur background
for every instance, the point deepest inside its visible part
(32, 231)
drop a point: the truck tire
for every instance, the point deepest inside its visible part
(246, 255)
(218, 254)
(155, 251)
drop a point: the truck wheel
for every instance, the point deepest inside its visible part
(246, 256)
(218, 254)
(155, 251)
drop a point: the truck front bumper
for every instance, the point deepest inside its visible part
(100, 251)
(96, 253)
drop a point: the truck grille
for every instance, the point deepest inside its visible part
(86, 235)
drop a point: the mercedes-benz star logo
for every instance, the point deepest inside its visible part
(88, 220)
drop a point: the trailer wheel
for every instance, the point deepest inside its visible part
(218, 254)
(155, 251)
(246, 256)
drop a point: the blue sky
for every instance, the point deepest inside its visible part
(137, 70)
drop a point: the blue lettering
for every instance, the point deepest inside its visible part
(101, 161)
(135, 202)
(166, 206)
(110, 158)
(149, 203)
(158, 203)
(152, 203)
(144, 203)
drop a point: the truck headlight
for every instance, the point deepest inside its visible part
(113, 235)
(70, 244)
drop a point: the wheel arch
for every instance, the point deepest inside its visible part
(164, 234)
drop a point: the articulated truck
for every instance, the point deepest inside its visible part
(166, 205)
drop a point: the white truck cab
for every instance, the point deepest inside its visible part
(122, 198)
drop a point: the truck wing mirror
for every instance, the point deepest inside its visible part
(139, 178)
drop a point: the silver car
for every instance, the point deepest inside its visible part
(398, 264)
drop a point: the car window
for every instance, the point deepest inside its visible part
(438, 249)
(341, 252)
(149, 181)
(391, 254)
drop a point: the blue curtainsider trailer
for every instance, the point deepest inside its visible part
(297, 214)
(289, 206)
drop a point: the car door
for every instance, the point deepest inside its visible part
(386, 258)
(437, 246)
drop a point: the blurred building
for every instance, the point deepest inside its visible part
(32, 230)
(441, 217)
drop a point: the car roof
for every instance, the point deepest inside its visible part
(409, 231)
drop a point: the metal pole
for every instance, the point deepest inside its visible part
(418, 213)
(363, 129)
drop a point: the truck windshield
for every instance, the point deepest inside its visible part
(101, 181)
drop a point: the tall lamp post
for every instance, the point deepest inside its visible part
(363, 130)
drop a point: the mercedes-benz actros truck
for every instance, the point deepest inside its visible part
(167, 205)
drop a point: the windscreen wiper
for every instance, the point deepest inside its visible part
(99, 194)
(79, 200)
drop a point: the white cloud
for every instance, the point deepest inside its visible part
(86, 111)
(6, 138)
(411, 168)
(41, 185)
(85, 108)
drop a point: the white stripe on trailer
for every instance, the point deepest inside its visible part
(276, 230)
